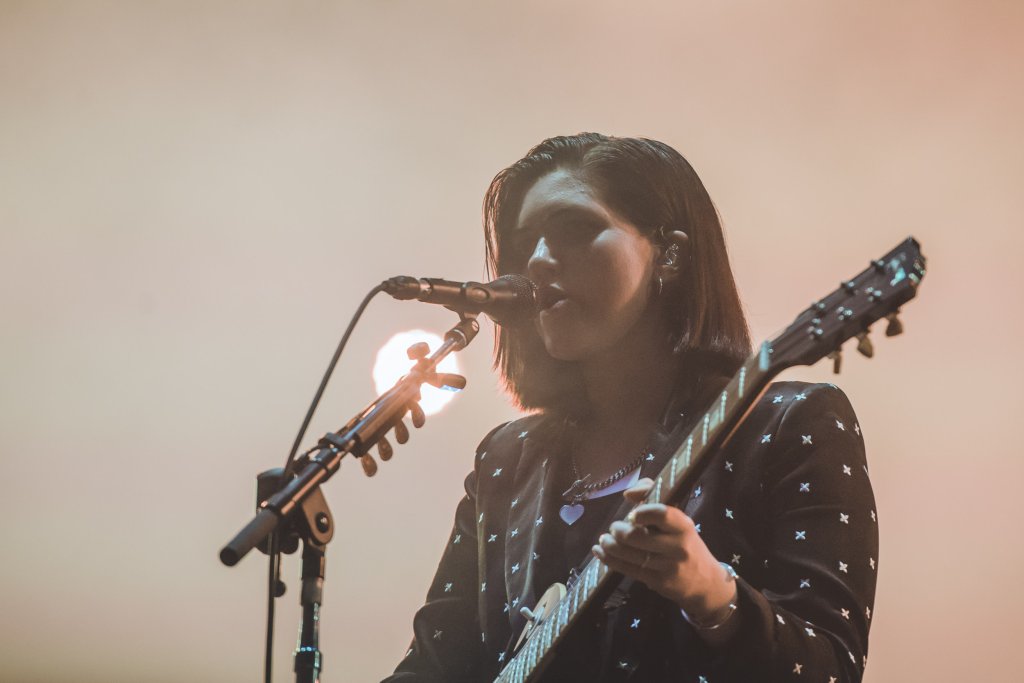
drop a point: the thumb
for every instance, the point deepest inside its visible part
(638, 491)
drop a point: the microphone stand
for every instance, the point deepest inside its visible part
(308, 658)
(315, 525)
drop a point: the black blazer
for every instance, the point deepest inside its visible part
(788, 504)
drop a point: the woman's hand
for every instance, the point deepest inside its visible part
(658, 545)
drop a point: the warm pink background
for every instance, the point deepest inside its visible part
(194, 197)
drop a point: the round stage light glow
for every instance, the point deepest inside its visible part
(392, 363)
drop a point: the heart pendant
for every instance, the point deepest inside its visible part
(570, 513)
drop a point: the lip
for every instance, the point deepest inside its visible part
(555, 310)
(549, 296)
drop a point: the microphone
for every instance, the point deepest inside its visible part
(509, 300)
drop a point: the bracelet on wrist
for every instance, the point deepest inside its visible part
(725, 615)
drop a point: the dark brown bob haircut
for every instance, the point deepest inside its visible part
(656, 189)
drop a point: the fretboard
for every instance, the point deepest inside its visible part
(596, 582)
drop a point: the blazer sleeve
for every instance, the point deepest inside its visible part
(810, 618)
(446, 643)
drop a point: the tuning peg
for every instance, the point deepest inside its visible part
(418, 350)
(401, 432)
(895, 327)
(369, 464)
(384, 449)
(837, 360)
(864, 345)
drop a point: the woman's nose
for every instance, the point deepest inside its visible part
(541, 261)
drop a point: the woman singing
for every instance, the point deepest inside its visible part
(765, 571)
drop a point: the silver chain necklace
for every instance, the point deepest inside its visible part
(580, 489)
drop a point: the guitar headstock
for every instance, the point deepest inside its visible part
(850, 310)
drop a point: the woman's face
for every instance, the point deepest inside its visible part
(593, 268)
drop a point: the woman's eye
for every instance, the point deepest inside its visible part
(517, 250)
(523, 246)
(572, 234)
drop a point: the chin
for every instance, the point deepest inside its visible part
(562, 351)
(569, 348)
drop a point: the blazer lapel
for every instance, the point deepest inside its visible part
(525, 517)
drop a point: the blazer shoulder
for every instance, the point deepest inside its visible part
(781, 396)
(508, 436)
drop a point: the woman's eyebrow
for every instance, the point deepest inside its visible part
(537, 220)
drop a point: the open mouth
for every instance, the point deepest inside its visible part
(548, 296)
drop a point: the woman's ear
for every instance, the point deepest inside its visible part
(674, 257)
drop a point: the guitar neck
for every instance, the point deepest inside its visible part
(596, 581)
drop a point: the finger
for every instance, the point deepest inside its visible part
(641, 568)
(664, 518)
(642, 559)
(617, 552)
(643, 540)
(638, 491)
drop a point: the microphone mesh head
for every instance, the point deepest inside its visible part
(521, 306)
